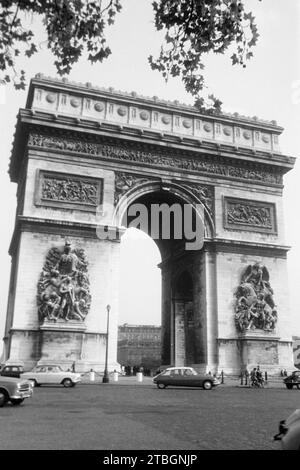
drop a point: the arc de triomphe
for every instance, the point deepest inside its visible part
(79, 154)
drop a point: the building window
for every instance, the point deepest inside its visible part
(256, 135)
(133, 112)
(238, 132)
(111, 108)
(197, 125)
(177, 121)
(63, 99)
(275, 139)
(218, 128)
(87, 104)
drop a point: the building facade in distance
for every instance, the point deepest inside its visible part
(139, 345)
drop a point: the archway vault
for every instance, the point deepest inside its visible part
(179, 192)
(183, 271)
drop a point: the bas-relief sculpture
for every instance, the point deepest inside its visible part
(124, 182)
(203, 165)
(55, 189)
(63, 287)
(255, 307)
(249, 215)
(69, 190)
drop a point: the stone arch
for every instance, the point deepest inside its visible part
(184, 194)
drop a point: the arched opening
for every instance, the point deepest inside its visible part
(139, 336)
(178, 229)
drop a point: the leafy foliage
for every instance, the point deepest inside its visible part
(193, 28)
(72, 26)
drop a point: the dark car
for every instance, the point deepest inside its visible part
(293, 380)
(12, 371)
(184, 377)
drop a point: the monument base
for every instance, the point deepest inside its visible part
(252, 348)
(61, 344)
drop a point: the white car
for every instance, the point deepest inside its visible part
(51, 374)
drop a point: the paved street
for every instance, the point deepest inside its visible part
(139, 416)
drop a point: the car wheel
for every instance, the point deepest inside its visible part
(289, 386)
(160, 385)
(3, 399)
(17, 401)
(67, 383)
(207, 385)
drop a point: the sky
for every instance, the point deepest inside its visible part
(269, 87)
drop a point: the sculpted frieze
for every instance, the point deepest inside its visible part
(63, 288)
(255, 308)
(124, 182)
(249, 215)
(203, 193)
(71, 191)
(154, 158)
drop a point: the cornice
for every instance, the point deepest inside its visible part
(89, 89)
(60, 227)
(40, 122)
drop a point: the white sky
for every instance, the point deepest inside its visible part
(268, 88)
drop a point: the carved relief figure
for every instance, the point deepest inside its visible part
(63, 288)
(249, 214)
(132, 155)
(124, 182)
(255, 307)
(69, 190)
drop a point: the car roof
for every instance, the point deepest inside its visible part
(17, 364)
(178, 367)
(48, 365)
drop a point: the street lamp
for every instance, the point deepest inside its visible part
(105, 379)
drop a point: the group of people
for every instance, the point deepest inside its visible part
(132, 370)
(256, 377)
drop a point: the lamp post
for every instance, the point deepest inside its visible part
(105, 379)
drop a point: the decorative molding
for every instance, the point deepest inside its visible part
(203, 165)
(67, 191)
(249, 215)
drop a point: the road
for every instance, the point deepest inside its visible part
(139, 416)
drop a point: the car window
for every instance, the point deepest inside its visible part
(41, 369)
(175, 372)
(187, 372)
(166, 372)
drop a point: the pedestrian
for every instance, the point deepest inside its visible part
(253, 377)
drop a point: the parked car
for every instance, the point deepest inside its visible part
(51, 374)
(12, 370)
(293, 380)
(289, 432)
(14, 390)
(185, 377)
